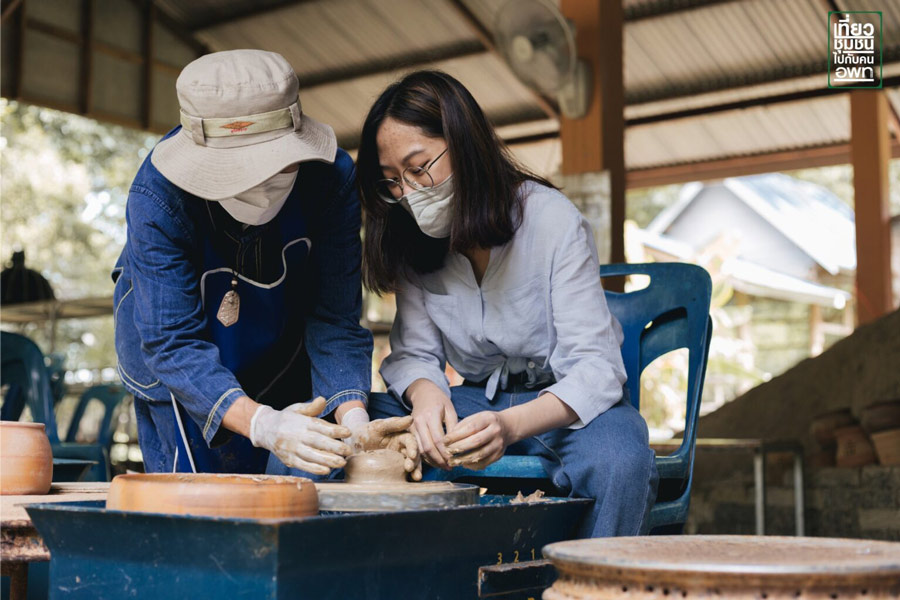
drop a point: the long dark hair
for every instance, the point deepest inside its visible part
(486, 208)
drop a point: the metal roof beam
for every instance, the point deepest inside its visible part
(674, 90)
(749, 103)
(175, 27)
(411, 60)
(661, 8)
(782, 160)
(244, 12)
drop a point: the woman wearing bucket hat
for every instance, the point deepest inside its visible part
(238, 291)
(496, 273)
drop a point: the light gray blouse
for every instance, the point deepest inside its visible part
(540, 310)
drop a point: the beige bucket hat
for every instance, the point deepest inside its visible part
(241, 124)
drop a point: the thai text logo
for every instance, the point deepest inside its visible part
(854, 49)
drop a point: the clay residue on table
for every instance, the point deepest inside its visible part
(535, 496)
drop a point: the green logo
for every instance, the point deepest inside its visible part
(855, 49)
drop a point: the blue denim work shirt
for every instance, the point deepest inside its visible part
(163, 339)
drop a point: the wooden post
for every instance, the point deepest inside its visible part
(85, 79)
(597, 142)
(816, 335)
(148, 15)
(18, 25)
(870, 153)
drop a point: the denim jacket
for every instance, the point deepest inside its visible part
(163, 333)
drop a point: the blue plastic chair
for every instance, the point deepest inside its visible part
(22, 368)
(671, 313)
(111, 396)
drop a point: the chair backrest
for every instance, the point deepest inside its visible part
(22, 365)
(671, 313)
(110, 395)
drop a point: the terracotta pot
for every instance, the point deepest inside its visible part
(887, 446)
(218, 495)
(26, 463)
(881, 417)
(854, 449)
(823, 426)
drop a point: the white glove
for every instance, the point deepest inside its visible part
(299, 439)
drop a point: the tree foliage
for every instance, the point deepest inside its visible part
(64, 183)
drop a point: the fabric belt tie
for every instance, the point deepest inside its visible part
(515, 368)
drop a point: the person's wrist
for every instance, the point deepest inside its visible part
(415, 390)
(239, 415)
(509, 424)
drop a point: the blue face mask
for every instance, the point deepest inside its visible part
(431, 208)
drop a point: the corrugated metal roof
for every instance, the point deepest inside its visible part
(755, 130)
(706, 47)
(322, 37)
(347, 51)
(344, 105)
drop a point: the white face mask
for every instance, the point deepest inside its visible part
(261, 203)
(431, 208)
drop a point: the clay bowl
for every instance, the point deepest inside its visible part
(854, 449)
(26, 463)
(887, 446)
(881, 417)
(215, 495)
(823, 426)
(375, 467)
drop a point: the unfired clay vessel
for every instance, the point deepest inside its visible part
(375, 467)
(26, 463)
(218, 495)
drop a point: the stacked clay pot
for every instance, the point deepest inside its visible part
(854, 449)
(822, 429)
(882, 422)
(216, 495)
(26, 462)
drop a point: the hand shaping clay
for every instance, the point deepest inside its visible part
(375, 467)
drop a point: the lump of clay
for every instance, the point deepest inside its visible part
(375, 466)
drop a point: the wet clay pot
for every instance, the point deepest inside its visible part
(854, 449)
(26, 463)
(216, 495)
(375, 467)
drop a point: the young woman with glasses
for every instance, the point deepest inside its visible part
(496, 273)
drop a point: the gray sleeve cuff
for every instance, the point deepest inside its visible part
(585, 403)
(407, 373)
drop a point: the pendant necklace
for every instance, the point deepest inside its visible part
(230, 308)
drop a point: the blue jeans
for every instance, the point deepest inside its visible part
(608, 460)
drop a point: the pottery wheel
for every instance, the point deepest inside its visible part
(357, 497)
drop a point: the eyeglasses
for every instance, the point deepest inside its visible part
(391, 190)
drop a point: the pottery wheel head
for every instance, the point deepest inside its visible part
(375, 466)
